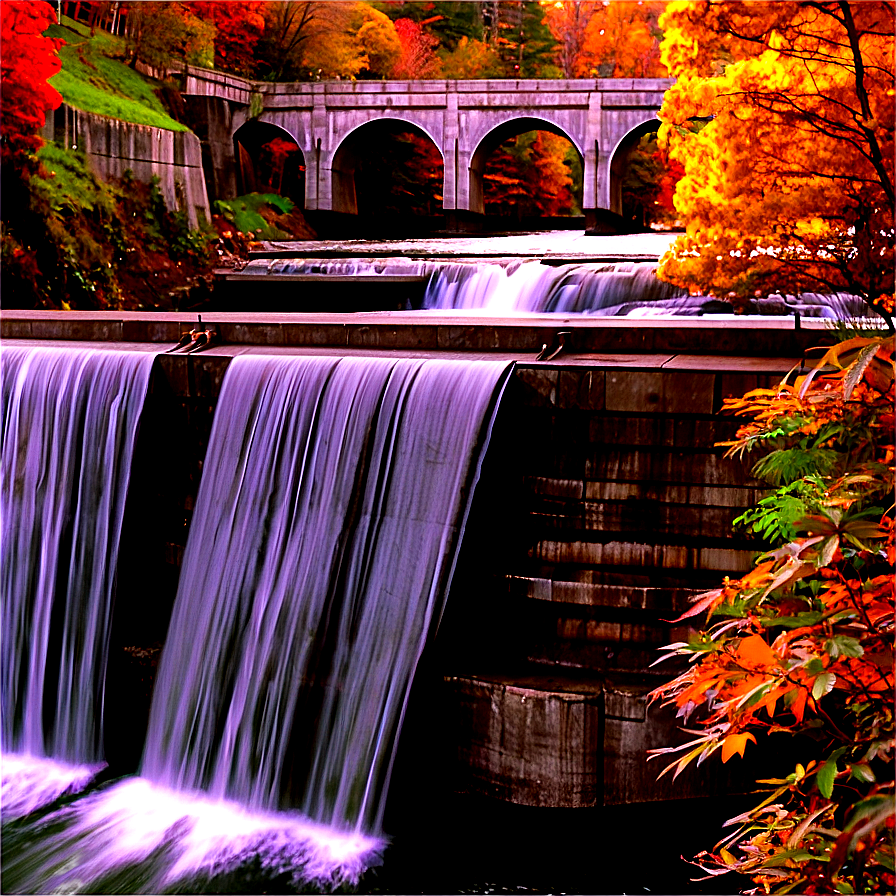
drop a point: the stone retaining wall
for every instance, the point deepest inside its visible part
(114, 146)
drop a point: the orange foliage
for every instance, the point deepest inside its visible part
(789, 186)
(622, 40)
(805, 643)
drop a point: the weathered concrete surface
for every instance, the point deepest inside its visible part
(114, 146)
(595, 342)
(466, 120)
(533, 740)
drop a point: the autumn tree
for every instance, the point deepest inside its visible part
(471, 59)
(789, 187)
(648, 185)
(400, 175)
(349, 40)
(621, 40)
(417, 59)
(161, 34)
(530, 175)
(287, 27)
(568, 21)
(238, 26)
(28, 60)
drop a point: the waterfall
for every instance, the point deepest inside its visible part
(69, 423)
(529, 286)
(333, 498)
(508, 286)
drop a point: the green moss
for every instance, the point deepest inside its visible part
(94, 81)
(245, 213)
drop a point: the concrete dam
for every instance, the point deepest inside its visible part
(585, 502)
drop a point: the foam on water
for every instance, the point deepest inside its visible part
(177, 836)
(29, 782)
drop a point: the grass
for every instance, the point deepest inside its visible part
(244, 213)
(93, 81)
(69, 181)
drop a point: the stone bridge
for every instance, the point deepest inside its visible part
(332, 123)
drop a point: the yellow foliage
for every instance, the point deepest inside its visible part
(789, 186)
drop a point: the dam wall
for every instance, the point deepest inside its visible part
(604, 505)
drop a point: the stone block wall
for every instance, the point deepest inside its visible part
(622, 509)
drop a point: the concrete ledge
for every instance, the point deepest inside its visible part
(692, 344)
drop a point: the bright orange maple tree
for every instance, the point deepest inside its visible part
(789, 186)
(621, 40)
(803, 643)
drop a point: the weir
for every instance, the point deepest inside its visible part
(602, 506)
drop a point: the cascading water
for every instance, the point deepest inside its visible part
(333, 498)
(69, 422)
(504, 287)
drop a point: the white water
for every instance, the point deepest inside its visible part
(333, 497)
(69, 424)
(507, 287)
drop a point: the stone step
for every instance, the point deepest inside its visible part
(636, 518)
(662, 557)
(668, 600)
(663, 492)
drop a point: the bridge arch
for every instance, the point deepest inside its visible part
(269, 160)
(492, 139)
(619, 158)
(354, 150)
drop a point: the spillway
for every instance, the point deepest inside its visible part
(333, 499)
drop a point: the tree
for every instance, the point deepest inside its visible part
(568, 21)
(28, 60)
(789, 187)
(530, 176)
(648, 185)
(163, 33)
(622, 40)
(418, 59)
(403, 175)
(470, 59)
(449, 21)
(803, 643)
(287, 26)
(348, 40)
(520, 36)
(239, 25)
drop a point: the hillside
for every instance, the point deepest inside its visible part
(94, 78)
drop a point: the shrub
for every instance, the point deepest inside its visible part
(803, 643)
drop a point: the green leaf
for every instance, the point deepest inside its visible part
(828, 772)
(803, 619)
(781, 858)
(862, 772)
(842, 645)
(823, 684)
